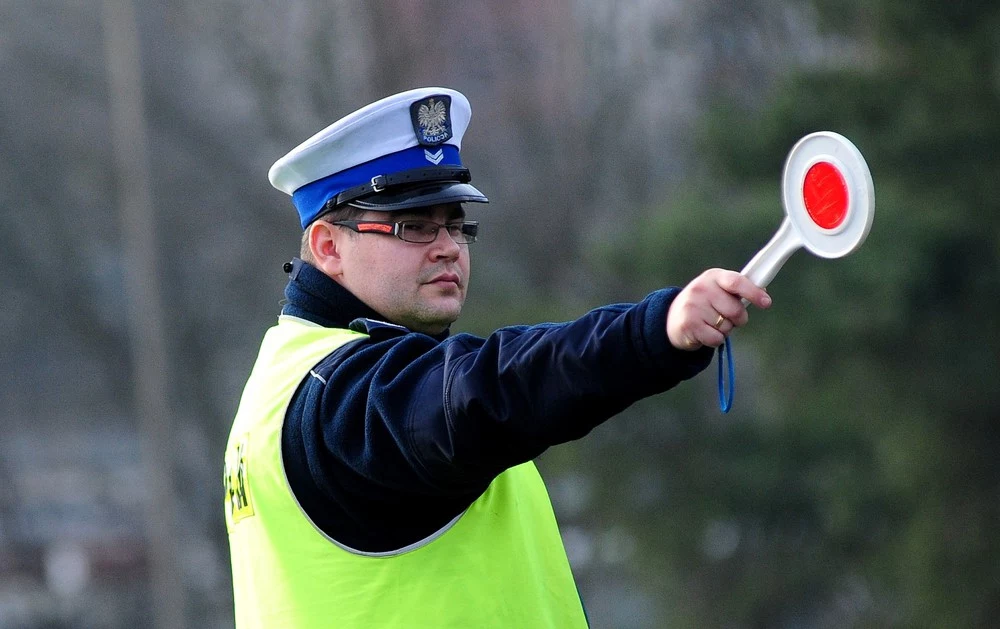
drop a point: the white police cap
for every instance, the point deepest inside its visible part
(398, 153)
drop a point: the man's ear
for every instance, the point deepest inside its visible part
(326, 243)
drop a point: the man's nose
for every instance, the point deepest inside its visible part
(444, 245)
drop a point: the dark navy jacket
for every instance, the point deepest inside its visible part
(391, 437)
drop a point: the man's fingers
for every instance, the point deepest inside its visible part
(740, 286)
(713, 337)
(726, 325)
(729, 307)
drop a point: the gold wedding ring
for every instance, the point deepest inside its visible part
(718, 322)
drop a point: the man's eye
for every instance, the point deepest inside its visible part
(420, 227)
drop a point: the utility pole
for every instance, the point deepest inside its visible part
(145, 313)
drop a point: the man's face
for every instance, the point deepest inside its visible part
(418, 285)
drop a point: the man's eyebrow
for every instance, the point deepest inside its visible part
(406, 215)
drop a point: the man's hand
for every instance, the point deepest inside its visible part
(710, 307)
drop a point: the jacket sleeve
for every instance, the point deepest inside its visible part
(510, 396)
(410, 415)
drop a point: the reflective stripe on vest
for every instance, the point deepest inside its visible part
(501, 564)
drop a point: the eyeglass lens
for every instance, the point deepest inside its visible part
(426, 231)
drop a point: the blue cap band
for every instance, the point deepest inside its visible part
(310, 198)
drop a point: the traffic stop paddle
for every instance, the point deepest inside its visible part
(829, 199)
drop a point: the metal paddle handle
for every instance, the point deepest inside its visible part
(765, 265)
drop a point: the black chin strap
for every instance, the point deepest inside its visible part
(418, 175)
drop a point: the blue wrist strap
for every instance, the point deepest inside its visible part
(726, 402)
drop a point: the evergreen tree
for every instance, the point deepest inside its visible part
(856, 483)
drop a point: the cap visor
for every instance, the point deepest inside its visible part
(420, 196)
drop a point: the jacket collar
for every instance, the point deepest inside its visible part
(314, 296)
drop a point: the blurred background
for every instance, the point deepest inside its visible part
(625, 146)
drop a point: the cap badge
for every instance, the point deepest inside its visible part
(435, 157)
(431, 119)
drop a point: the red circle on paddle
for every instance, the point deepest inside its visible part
(825, 194)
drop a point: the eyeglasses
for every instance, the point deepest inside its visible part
(462, 232)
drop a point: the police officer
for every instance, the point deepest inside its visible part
(379, 470)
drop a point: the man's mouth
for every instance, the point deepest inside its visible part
(446, 278)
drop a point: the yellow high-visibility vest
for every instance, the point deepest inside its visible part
(500, 564)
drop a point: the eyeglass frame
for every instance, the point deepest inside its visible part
(395, 228)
